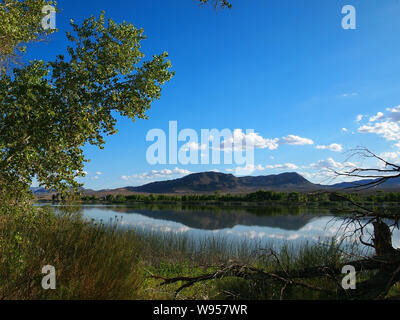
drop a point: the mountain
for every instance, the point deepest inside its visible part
(391, 184)
(210, 182)
(206, 182)
(39, 190)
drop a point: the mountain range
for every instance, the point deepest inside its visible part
(210, 182)
(206, 182)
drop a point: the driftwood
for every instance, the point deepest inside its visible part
(386, 263)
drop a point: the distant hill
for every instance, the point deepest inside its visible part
(39, 190)
(391, 184)
(210, 182)
(206, 182)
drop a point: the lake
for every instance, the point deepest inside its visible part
(278, 224)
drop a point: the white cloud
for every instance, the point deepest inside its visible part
(286, 166)
(248, 169)
(359, 117)
(295, 140)
(394, 113)
(333, 147)
(386, 126)
(240, 141)
(344, 129)
(158, 174)
(392, 157)
(388, 129)
(97, 176)
(324, 170)
(353, 94)
(193, 146)
(330, 164)
(378, 116)
(389, 156)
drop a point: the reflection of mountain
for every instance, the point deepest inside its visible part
(208, 220)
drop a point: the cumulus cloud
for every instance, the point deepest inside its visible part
(387, 126)
(330, 164)
(239, 140)
(248, 169)
(193, 146)
(359, 117)
(394, 113)
(295, 140)
(158, 174)
(378, 116)
(333, 147)
(388, 129)
(344, 129)
(324, 171)
(285, 166)
(392, 157)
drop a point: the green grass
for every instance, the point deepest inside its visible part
(97, 261)
(91, 261)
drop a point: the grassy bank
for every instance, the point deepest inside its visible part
(95, 261)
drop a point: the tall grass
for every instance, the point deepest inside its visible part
(99, 261)
(91, 261)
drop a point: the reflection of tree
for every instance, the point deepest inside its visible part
(378, 272)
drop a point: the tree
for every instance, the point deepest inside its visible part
(50, 110)
(20, 24)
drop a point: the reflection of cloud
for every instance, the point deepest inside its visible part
(317, 230)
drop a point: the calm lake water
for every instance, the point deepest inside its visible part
(259, 225)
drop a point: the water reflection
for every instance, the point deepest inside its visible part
(235, 224)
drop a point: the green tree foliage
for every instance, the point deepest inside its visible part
(50, 110)
(20, 24)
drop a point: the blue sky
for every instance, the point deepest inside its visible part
(285, 68)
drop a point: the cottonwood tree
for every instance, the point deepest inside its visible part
(377, 272)
(20, 25)
(50, 110)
